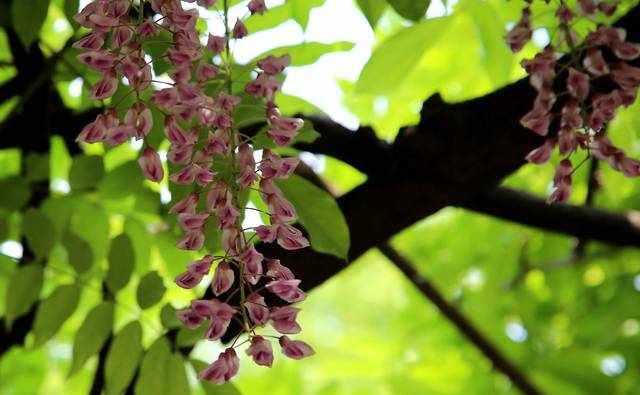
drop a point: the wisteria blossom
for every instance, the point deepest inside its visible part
(207, 154)
(578, 94)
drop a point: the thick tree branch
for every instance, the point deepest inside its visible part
(584, 222)
(466, 327)
(453, 314)
(456, 151)
(362, 149)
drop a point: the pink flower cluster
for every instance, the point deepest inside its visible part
(199, 124)
(580, 93)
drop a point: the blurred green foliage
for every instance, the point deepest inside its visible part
(573, 327)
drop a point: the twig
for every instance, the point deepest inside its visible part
(592, 187)
(499, 361)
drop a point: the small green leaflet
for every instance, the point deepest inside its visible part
(320, 215)
(156, 47)
(410, 9)
(93, 333)
(71, 9)
(28, 17)
(39, 231)
(123, 358)
(4, 229)
(162, 372)
(86, 172)
(248, 114)
(150, 290)
(37, 167)
(20, 193)
(78, 251)
(372, 10)
(122, 261)
(22, 291)
(308, 52)
(394, 60)
(189, 337)
(168, 317)
(54, 311)
(90, 221)
(122, 181)
(300, 10)
(276, 16)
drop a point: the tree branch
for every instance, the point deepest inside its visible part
(456, 151)
(97, 386)
(498, 360)
(361, 149)
(455, 316)
(583, 222)
(593, 184)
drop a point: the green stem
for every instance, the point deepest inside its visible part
(233, 161)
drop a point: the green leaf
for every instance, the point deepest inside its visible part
(372, 10)
(11, 158)
(276, 16)
(308, 52)
(20, 193)
(214, 389)
(307, 134)
(86, 172)
(394, 60)
(37, 166)
(156, 46)
(168, 317)
(54, 311)
(150, 290)
(300, 10)
(4, 229)
(92, 334)
(142, 242)
(410, 9)
(497, 58)
(320, 215)
(172, 257)
(291, 105)
(28, 17)
(23, 290)
(147, 201)
(59, 211)
(39, 231)
(189, 337)
(162, 372)
(178, 383)
(248, 114)
(122, 181)
(59, 159)
(123, 358)
(71, 8)
(122, 261)
(79, 251)
(90, 221)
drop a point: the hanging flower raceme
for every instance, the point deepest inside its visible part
(580, 93)
(211, 155)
